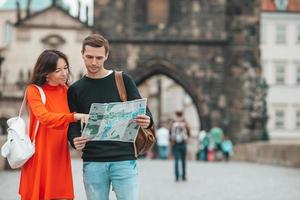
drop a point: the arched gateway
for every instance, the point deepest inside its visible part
(160, 67)
(210, 48)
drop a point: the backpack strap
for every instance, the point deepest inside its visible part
(123, 96)
(23, 103)
(43, 97)
(120, 85)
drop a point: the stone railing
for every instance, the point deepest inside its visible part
(280, 153)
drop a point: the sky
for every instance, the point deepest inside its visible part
(72, 3)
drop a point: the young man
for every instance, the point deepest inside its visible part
(105, 163)
(180, 133)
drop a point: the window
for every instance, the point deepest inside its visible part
(281, 4)
(298, 75)
(7, 32)
(280, 74)
(263, 33)
(53, 41)
(280, 34)
(279, 119)
(298, 34)
(298, 119)
(158, 12)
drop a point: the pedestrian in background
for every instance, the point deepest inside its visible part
(163, 140)
(227, 148)
(180, 133)
(217, 134)
(203, 140)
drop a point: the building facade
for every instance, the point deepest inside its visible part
(29, 36)
(280, 47)
(209, 48)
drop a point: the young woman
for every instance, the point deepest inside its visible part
(47, 175)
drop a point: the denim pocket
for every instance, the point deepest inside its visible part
(133, 164)
(85, 165)
(126, 167)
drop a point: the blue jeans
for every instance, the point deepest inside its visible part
(163, 152)
(179, 151)
(122, 175)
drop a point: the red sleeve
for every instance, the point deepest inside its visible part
(39, 110)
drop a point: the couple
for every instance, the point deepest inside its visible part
(47, 175)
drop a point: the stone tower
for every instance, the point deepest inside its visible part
(210, 48)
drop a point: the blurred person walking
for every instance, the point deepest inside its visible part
(217, 134)
(180, 133)
(227, 148)
(163, 140)
(47, 174)
(203, 141)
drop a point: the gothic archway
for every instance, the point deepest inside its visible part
(162, 67)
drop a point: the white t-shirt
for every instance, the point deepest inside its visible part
(162, 136)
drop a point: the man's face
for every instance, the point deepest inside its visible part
(94, 58)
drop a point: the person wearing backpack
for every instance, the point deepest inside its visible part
(108, 163)
(180, 133)
(48, 174)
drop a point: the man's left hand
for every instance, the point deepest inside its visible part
(142, 120)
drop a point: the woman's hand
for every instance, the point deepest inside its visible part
(142, 120)
(82, 117)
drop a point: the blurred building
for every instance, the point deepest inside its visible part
(27, 34)
(9, 17)
(208, 48)
(280, 47)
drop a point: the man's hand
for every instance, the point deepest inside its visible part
(79, 142)
(142, 120)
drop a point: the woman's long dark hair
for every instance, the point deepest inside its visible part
(45, 64)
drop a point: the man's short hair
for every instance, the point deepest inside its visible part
(95, 40)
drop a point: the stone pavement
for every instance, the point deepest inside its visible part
(206, 181)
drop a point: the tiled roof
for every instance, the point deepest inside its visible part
(294, 5)
(21, 22)
(269, 5)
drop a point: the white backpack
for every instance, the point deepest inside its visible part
(179, 132)
(18, 148)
